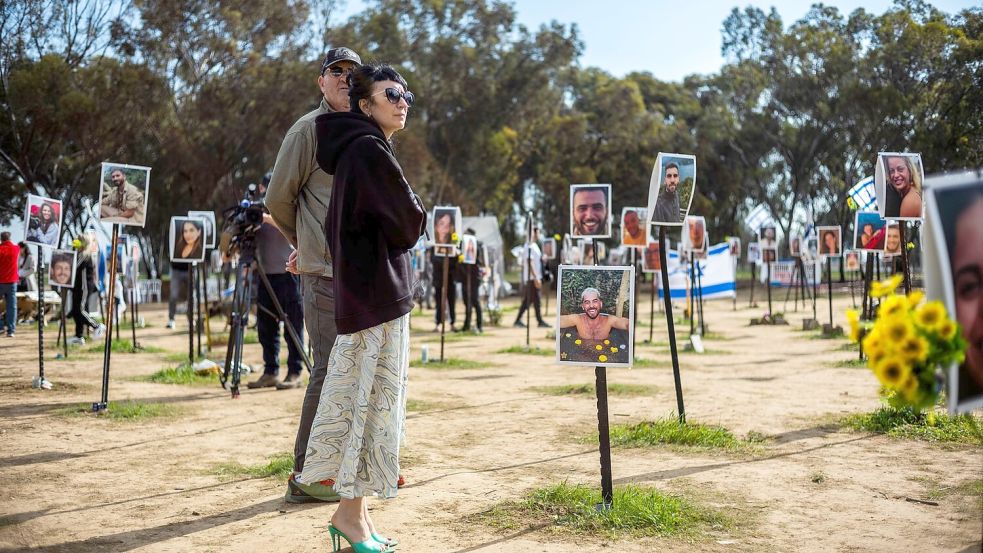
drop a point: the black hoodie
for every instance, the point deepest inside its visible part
(373, 220)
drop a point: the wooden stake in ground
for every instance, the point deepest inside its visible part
(652, 309)
(63, 331)
(768, 285)
(829, 288)
(107, 351)
(191, 313)
(666, 293)
(603, 425)
(902, 227)
(443, 305)
(754, 277)
(208, 328)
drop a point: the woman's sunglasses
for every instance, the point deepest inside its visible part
(393, 95)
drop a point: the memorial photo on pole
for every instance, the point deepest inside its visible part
(61, 270)
(753, 252)
(829, 241)
(694, 234)
(123, 193)
(671, 188)
(795, 245)
(898, 181)
(868, 231)
(892, 239)
(956, 226)
(595, 318)
(445, 223)
(209, 217)
(469, 249)
(633, 227)
(651, 262)
(590, 210)
(769, 254)
(734, 243)
(187, 239)
(851, 260)
(549, 248)
(42, 221)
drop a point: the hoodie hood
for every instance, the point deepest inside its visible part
(336, 132)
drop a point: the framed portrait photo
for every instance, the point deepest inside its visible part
(694, 236)
(810, 249)
(123, 193)
(830, 241)
(590, 210)
(753, 252)
(549, 249)
(869, 231)
(595, 316)
(954, 273)
(851, 260)
(898, 179)
(187, 239)
(209, 217)
(651, 258)
(671, 188)
(892, 239)
(769, 254)
(445, 226)
(795, 245)
(469, 249)
(734, 247)
(633, 227)
(61, 269)
(42, 221)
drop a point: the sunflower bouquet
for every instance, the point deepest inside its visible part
(908, 344)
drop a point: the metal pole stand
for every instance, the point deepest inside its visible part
(666, 295)
(39, 382)
(603, 428)
(103, 404)
(443, 304)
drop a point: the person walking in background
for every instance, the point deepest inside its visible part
(298, 199)
(9, 254)
(179, 289)
(471, 299)
(27, 267)
(272, 253)
(531, 260)
(85, 283)
(437, 266)
(373, 221)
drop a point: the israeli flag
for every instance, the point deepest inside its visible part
(716, 274)
(864, 194)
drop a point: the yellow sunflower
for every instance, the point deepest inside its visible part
(454, 237)
(873, 343)
(892, 306)
(602, 358)
(909, 387)
(853, 317)
(930, 315)
(947, 329)
(895, 329)
(892, 371)
(915, 298)
(915, 348)
(598, 347)
(881, 289)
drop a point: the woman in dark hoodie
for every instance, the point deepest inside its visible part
(373, 221)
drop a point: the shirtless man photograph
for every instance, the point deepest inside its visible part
(589, 332)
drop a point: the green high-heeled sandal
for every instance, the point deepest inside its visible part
(391, 542)
(368, 546)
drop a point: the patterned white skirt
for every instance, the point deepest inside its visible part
(356, 433)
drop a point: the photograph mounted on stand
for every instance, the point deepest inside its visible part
(829, 241)
(209, 217)
(651, 262)
(671, 189)
(61, 269)
(892, 239)
(469, 249)
(590, 210)
(444, 226)
(795, 245)
(753, 253)
(633, 227)
(898, 179)
(123, 194)
(549, 249)
(694, 237)
(42, 221)
(868, 231)
(954, 274)
(187, 240)
(595, 316)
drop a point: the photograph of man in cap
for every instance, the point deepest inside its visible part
(297, 198)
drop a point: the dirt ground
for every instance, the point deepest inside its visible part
(482, 436)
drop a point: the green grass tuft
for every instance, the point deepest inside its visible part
(668, 431)
(625, 390)
(451, 363)
(534, 350)
(123, 346)
(180, 357)
(126, 411)
(906, 424)
(279, 466)
(182, 374)
(645, 363)
(852, 363)
(636, 511)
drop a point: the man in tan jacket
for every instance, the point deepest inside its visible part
(297, 198)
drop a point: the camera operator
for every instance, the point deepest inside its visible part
(272, 252)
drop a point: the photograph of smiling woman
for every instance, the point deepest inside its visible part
(898, 181)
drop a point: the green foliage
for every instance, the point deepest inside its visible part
(614, 389)
(182, 374)
(126, 411)
(636, 511)
(670, 432)
(450, 363)
(534, 350)
(123, 346)
(278, 465)
(906, 423)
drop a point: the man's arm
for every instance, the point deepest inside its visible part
(291, 171)
(567, 321)
(619, 322)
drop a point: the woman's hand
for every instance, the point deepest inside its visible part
(292, 263)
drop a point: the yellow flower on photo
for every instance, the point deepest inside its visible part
(930, 315)
(602, 358)
(614, 349)
(606, 342)
(598, 347)
(892, 371)
(577, 341)
(883, 288)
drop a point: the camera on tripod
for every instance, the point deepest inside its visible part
(243, 220)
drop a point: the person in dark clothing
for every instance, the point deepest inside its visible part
(437, 266)
(85, 281)
(9, 253)
(531, 260)
(470, 276)
(373, 221)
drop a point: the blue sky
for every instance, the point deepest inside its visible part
(668, 39)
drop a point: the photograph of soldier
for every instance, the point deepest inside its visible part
(769, 254)
(671, 188)
(651, 262)
(892, 239)
(795, 245)
(753, 252)
(123, 194)
(694, 234)
(590, 210)
(549, 248)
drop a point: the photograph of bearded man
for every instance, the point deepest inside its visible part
(590, 210)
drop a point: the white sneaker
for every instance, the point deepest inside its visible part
(170, 323)
(100, 331)
(76, 341)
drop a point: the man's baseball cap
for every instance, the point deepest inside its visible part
(339, 54)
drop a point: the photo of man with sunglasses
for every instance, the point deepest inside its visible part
(297, 198)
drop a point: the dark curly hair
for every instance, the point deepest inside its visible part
(360, 82)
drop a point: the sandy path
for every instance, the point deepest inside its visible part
(88, 484)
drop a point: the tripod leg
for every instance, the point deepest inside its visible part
(281, 316)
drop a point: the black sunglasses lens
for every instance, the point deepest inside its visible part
(393, 95)
(409, 97)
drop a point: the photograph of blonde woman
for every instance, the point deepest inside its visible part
(902, 186)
